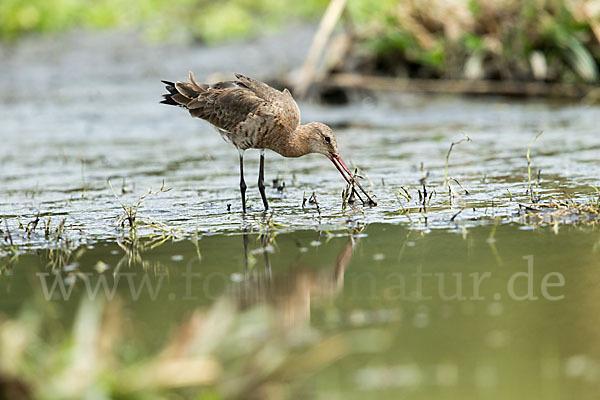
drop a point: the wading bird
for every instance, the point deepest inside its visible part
(252, 115)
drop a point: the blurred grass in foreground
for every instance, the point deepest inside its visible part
(216, 353)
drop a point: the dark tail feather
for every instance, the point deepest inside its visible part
(170, 86)
(168, 97)
(183, 93)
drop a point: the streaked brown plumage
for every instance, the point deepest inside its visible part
(252, 115)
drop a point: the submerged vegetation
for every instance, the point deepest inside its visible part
(155, 230)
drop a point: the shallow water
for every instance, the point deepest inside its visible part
(64, 136)
(65, 174)
(527, 330)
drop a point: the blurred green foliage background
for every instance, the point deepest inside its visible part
(548, 40)
(207, 20)
(494, 39)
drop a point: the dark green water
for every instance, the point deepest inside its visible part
(465, 316)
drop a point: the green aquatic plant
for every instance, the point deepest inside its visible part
(136, 222)
(561, 211)
(446, 178)
(144, 233)
(535, 183)
(404, 194)
(8, 253)
(267, 226)
(348, 192)
(597, 190)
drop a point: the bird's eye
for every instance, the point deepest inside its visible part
(327, 139)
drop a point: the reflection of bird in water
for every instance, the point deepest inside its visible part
(252, 115)
(290, 293)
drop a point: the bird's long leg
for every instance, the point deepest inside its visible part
(242, 182)
(261, 180)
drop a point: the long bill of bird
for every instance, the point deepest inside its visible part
(349, 177)
(319, 138)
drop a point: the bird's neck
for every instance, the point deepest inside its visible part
(293, 144)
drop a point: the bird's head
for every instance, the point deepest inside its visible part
(322, 140)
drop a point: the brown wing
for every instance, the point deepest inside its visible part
(285, 107)
(225, 104)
